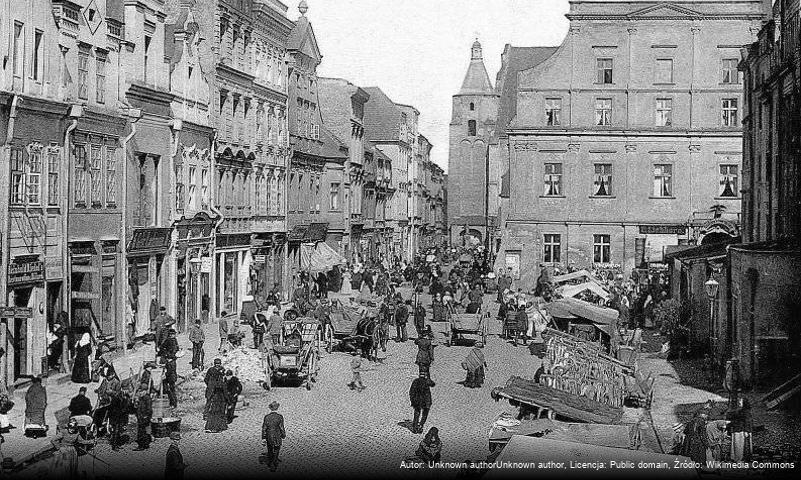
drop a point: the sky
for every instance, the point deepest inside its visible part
(417, 51)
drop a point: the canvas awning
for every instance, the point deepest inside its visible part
(319, 257)
(573, 290)
(574, 308)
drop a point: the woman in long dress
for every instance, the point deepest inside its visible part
(346, 288)
(80, 370)
(217, 420)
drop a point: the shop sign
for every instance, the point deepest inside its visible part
(260, 258)
(25, 270)
(147, 240)
(663, 230)
(16, 312)
(53, 269)
(205, 265)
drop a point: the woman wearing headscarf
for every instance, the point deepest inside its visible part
(474, 364)
(217, 420)
(430, 448)
(80, 370)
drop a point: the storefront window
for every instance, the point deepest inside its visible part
(231, 282)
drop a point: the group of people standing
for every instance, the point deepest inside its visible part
(704, 439)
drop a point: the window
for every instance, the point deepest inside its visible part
(553, 179)
(111, 177)
(472, 106)
(17, 190)
(603, 180)
(552, 248)
(100, 86)
(601, 249)
(80, 175)
(729, 70)
(334, 196)
(728, 181)
(179, 186)
(664, 70)
(603, 67)
(53, 165)
(729, 112)
(553, 111)
(664, 112)
(37, 55)
(83, 75)
(471, 128)
(19, 49)
(603, 111)
(663, 180)
(268, 194)
(204, 188)
(95, 175)
(34, 175)
(147, 55)
(192, 188)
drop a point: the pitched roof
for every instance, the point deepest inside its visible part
(514, 60)
(381, 117)
(298, 38)
(332, 146)
(476, 80)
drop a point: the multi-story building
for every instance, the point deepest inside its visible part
(342, 107)
(413, 185)
(388, 130)
(616, 149)
(472, 129)
(316, 204)
(764, 286)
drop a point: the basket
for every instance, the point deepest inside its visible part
(163, 427)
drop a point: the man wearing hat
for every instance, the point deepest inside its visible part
(273, 433)
(233, 388)
(160, 325)
(197, 336)
(174, 469)
(171, 368)
(144, 414)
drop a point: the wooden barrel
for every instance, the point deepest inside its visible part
(163, 427)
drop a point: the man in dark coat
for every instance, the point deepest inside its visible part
(401, 318)
(174, 469)
(197, 336)
(168, 353)
(420, 398)
(322, 285)
(233, 388)
(273, 433)
(425, 353)
(696, 441)
(273, 298)
(476, 295)
(160, 324)
(80, 404)
(144, 414)
(214, 378)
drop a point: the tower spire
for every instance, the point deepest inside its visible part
(476, 81)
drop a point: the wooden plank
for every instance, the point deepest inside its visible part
(778, 391)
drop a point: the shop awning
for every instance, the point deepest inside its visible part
(316, 232)
(319, 258)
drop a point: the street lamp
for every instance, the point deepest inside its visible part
(711, 287)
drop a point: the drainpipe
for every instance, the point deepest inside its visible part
(134, 115)
(176, 125)
(212, 199)
(76, 111)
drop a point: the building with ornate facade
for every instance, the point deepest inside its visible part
(627, 138)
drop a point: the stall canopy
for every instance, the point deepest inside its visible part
(319, 257)
(573, 308)
(573, 290)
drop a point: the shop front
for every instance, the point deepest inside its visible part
(26, 330)
(232, 278)
(267, 268)
(194, 254)
(147, 276)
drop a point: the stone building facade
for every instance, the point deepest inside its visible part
(764, 271)
(627, 138)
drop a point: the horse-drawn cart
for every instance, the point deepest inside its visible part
(298, 353)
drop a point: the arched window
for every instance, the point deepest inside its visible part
(471, 128)
(472, 106)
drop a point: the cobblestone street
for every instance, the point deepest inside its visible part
(332, 428)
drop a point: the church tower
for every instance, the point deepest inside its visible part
(472, 129)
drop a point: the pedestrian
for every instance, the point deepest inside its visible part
(522, 322)
(273, 298)
(217, 405)
(222, 323)
(118, 411)
(35, 403)
(474, 364)
(170, 380)
(197, 336)
(233, 388)
(273, 433)
(741, 424)
(420, 399)
(161, 324)
(322, 285)
(80, 404)
(258, 331)
(696, 441)
(425, 353)
(420, 319)
(169, 346)
(401, 319)
(716, 433)
(80, 369)
(144, 415)
(174, 469)
(356, 367)
(438, 309)
(214, 378)
(430, 448)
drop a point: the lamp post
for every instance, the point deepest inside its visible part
(711, 287)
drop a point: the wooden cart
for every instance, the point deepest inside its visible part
(468, 324)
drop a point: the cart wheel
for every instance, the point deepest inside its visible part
(329, 339)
